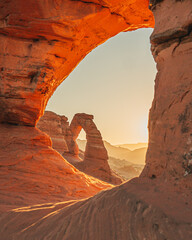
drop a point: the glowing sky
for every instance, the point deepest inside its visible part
(115, 83)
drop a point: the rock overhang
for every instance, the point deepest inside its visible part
(42, 43)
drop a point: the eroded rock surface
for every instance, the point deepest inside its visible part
(170, 128)
(31, 172)
(155, 206)
(134, 210)
(95, 158)
(95, 162)
(41, 43)
(57, 127)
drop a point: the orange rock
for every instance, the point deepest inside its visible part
(32, 172)
(155, 206)
(134, 210)
(57, 127)
(41, 43)
(95, 157)
(169, 154)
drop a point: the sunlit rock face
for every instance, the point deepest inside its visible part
(155, 206)
(42, 42)
(32, 172)
(132, 211)
(170, 128)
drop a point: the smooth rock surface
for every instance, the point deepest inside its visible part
(136, 210)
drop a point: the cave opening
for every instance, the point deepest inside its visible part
(114, 83)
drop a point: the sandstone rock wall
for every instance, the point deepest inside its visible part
(32, 172)
(156, 206)
(57, 127)
(170, 126)
(42, 42)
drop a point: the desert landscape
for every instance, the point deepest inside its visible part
(126, 163)
(58, 187)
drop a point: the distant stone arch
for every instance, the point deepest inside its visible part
(95, 148)
(95, 157)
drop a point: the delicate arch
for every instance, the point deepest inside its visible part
(95, 148)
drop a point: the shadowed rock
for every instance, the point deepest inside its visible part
(57, 127)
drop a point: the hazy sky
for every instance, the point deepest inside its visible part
(115, 83)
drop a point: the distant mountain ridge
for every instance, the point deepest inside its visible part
(136, 156)
(133, 146)
(126, 163)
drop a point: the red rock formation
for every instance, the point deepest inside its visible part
(57, 127)
(136, 210)
(156, 206)
(32, 172)
(170, 129)
(64, 138)
(95, 157)
(95, 147)
(41, 43)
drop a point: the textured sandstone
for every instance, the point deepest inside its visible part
(41, 43)
(32, 172)
(136, 210)
(57, 127)
(63, 136)
(95, 157)
(170, 128)
(156, 206)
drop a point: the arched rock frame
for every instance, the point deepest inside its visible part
(35, 44)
